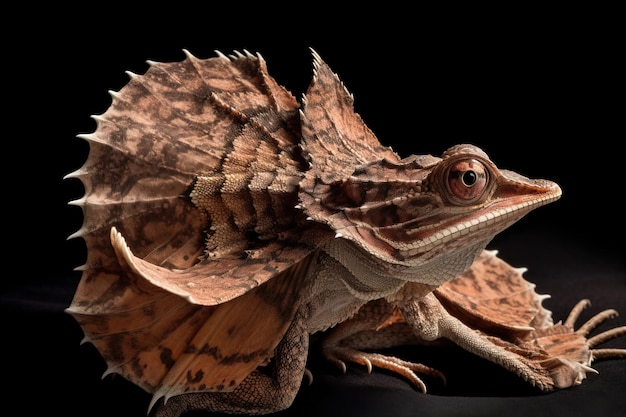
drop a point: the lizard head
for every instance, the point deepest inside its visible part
(406, 212)
(463, 200)
(413, 210)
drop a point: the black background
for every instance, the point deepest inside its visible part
(541, 91)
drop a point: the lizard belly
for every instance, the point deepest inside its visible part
(330, 306)
(339, 287)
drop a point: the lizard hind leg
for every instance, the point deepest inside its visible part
(260, 392)
(377, 326)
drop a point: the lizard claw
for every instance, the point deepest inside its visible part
(339, 355)
(588, 369)
(308, 375)
(368, 364)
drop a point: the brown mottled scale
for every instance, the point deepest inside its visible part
(224, 223)
(196, 165)
(494, 296)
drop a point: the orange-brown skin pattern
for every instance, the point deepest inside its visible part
(225, 221)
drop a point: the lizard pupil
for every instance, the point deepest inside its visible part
(469, 178)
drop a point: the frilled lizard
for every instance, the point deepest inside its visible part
(225, 223)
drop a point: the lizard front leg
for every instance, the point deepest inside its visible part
(259, 393)
(429, 320)
(377, 325)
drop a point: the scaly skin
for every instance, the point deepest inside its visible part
(224, 224)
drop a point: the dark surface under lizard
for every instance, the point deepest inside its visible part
(537, 94)
(44, 354)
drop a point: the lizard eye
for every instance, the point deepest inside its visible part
(467, 180)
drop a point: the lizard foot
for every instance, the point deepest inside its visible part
(339, 355)
(566, 353)
(590, 325)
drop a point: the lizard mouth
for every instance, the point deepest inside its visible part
(513, 199)
(507, 209)
(492, 220)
